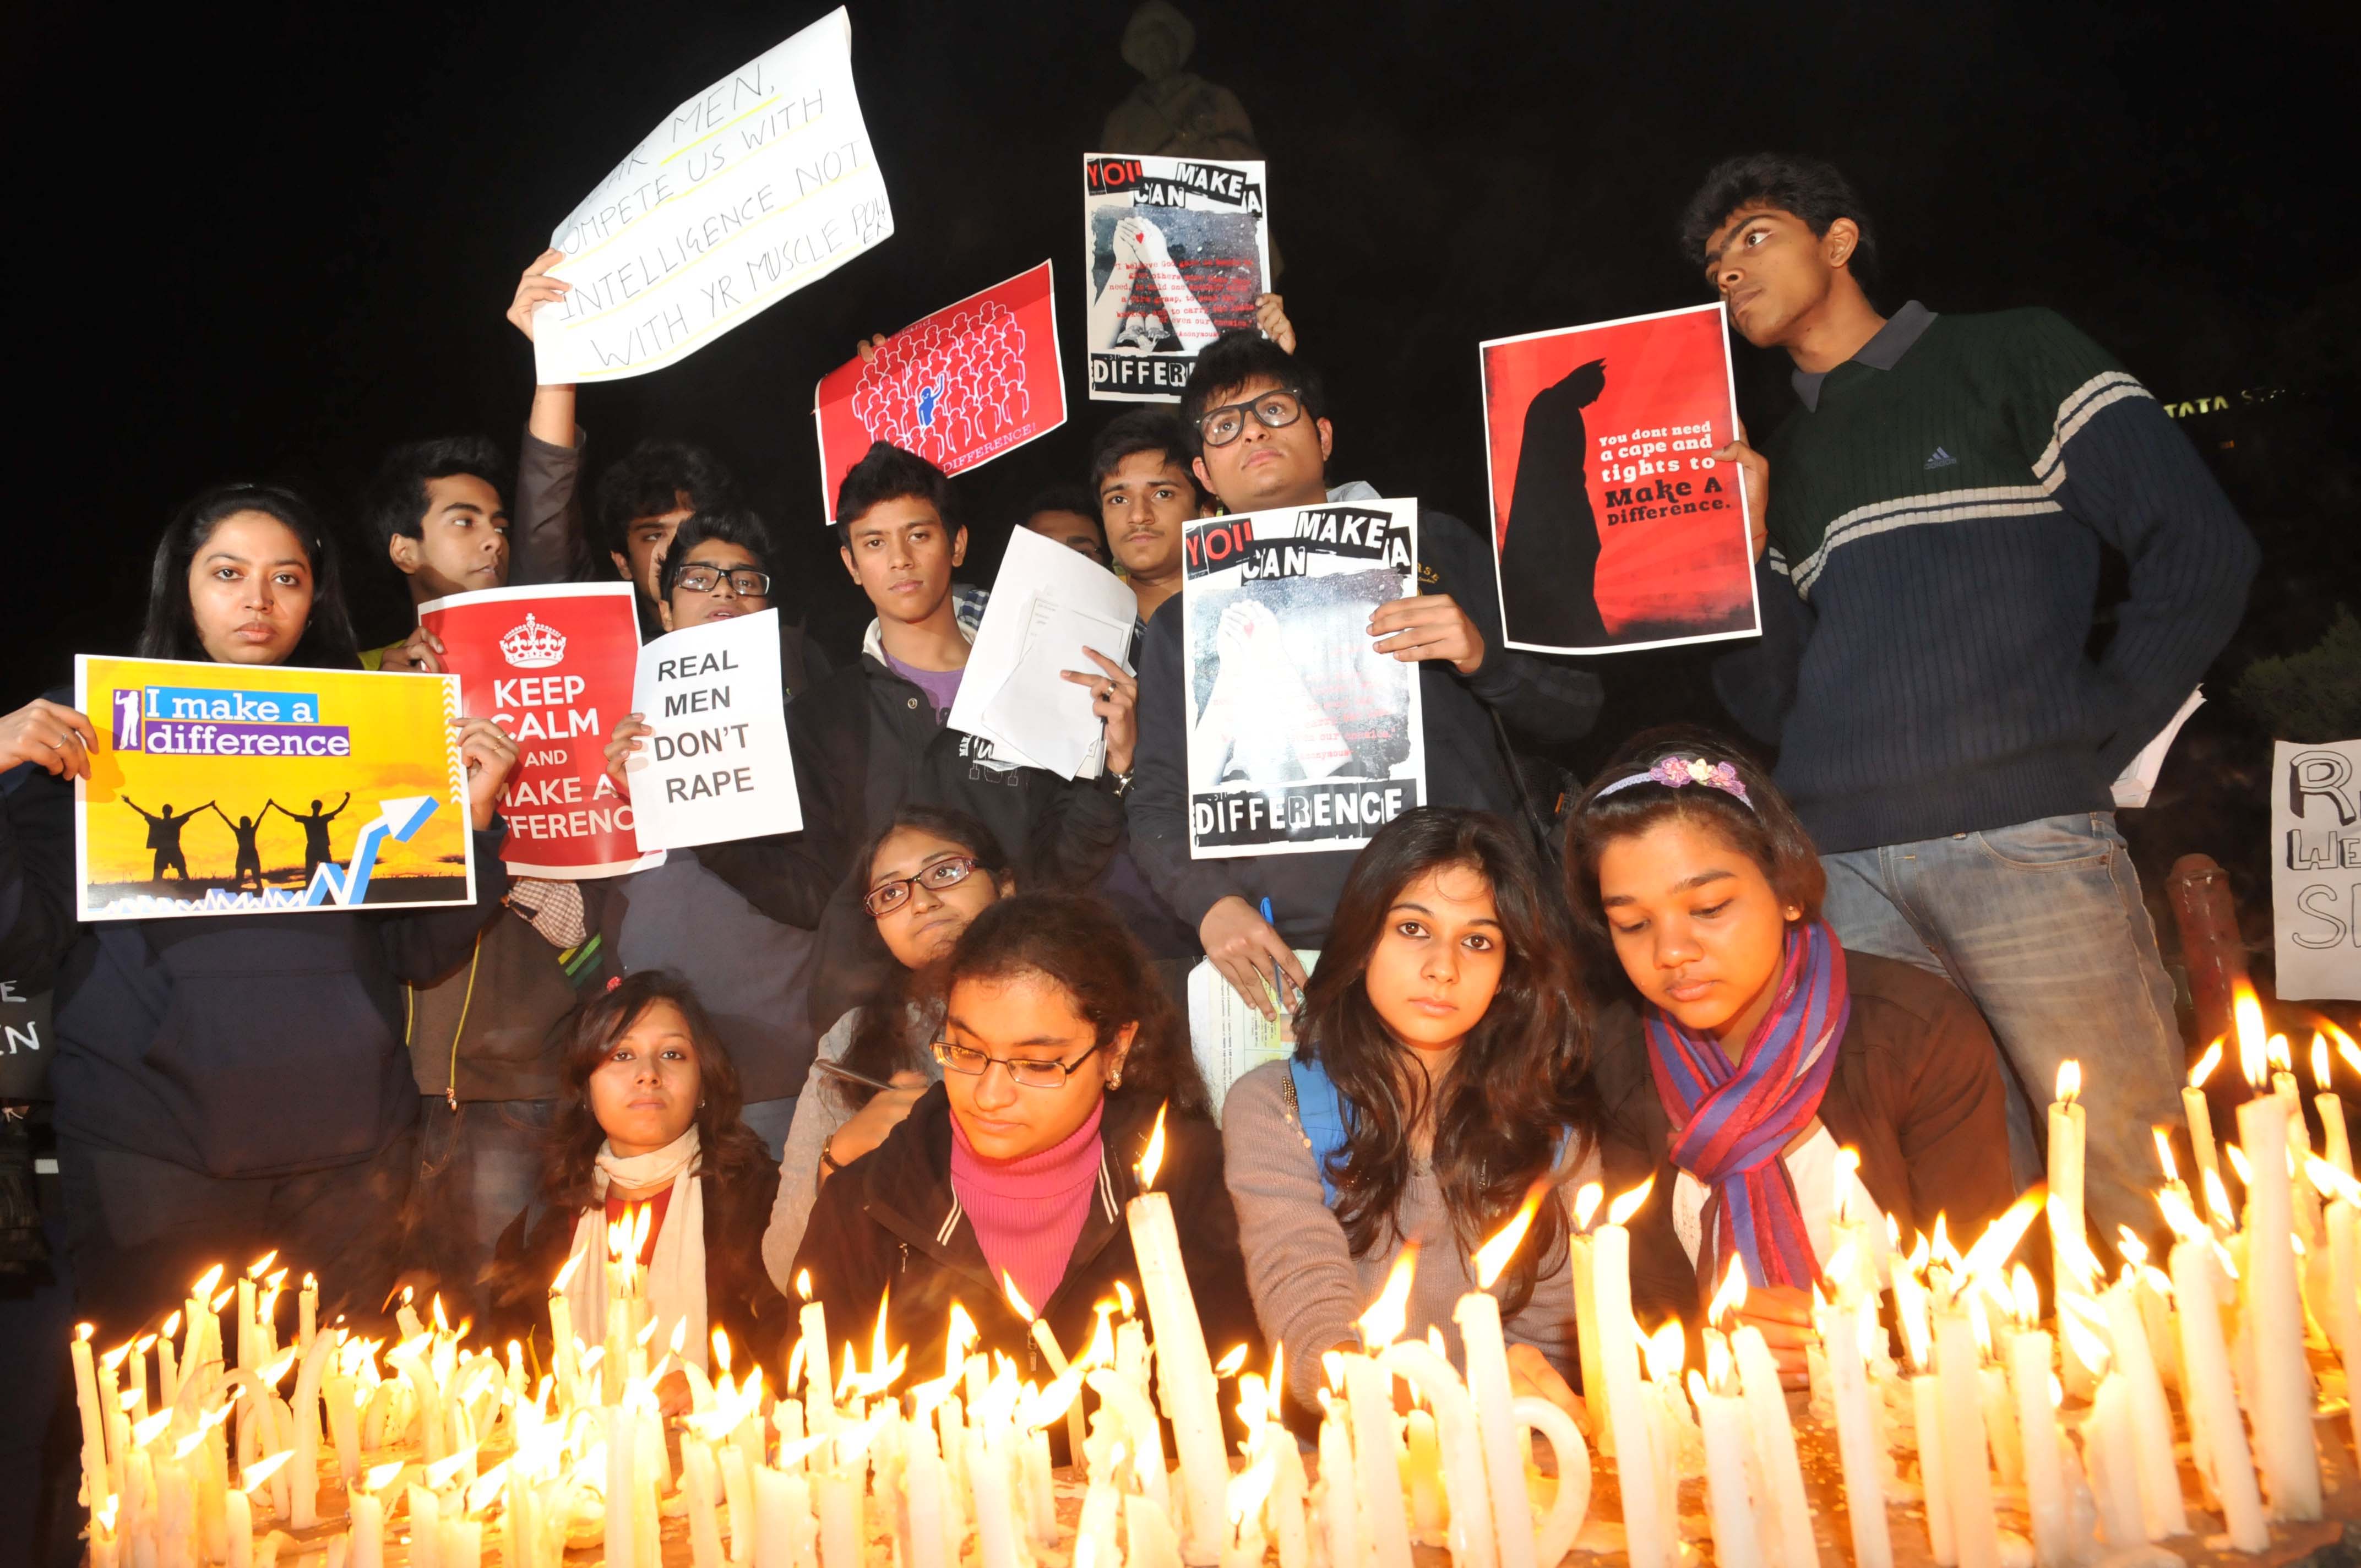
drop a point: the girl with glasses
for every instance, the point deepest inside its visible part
(930, 875)
(1060, 1050)
(1440, 1074)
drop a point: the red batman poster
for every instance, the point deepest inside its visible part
(959, 388)
(1614, 528)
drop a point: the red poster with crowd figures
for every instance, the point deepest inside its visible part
(959, 388)
(552, 665)
(1614, 528)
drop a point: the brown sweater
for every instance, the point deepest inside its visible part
(1916, 1092)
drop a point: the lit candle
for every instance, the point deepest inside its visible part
(700, 1483)
(2199, 1112)
(738, 1491)
(2337, 1140)
(2067, 1127)
(1451, 1429)
(1500, 1435)
(2037, 1421)
(1738, 1536)
(1370, 1395)
(932, 1544)
(1422, 1475)
(2283, 1435)
(622, 1449)
(2115, 1473)
(95, 1489)
(2162, 1511)
(995, 1508)
(366, 1537)
(303, 1499)
(1619, 1365)
(1339, 1504)
(1047, 1343)
(1287, 1498)
(1975, 1531)
(1184, 1372)
(426, 1527)
(1789, 1515)
(1585, 1321)
(784, 1503)
(1857, 1445)
(2206, 1389)
(2343, 1325)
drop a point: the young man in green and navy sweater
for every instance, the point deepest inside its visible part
(1942, 499)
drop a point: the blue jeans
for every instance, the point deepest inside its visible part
(771, 1119)
(2041, 924)
(479, 1167)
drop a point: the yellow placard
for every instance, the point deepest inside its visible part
(228, 789)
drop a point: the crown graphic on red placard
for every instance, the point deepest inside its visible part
(534, 645)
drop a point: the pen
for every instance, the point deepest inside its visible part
(1277, 974)
(846, 1073)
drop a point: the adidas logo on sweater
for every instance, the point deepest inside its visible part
(1940, 459)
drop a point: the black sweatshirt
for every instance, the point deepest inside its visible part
(1542, 703)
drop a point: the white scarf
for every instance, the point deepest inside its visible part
(675, 1279)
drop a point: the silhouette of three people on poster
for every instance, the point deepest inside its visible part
(164, 828)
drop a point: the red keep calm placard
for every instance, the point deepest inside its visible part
(553, 665)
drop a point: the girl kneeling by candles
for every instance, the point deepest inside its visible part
(647, 1121)
(1749, 1046)
(1440, 1075)
(931, 872)
(1060, 1051)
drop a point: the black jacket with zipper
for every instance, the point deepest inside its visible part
(890, 1220)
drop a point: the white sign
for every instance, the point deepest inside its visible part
(764, 183)
(2316, 868)
(1231, 1039)
(717, 766)
(1048, 604)
(1303, 737)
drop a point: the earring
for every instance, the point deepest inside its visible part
(1115, 1079)
(700, 1104)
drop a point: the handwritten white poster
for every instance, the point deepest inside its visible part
(716, 767)
(764, 183)
(1047, 605)
(2316, 868)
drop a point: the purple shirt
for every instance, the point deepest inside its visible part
(941, 686)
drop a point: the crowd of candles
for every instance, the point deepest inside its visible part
(1932, 1366)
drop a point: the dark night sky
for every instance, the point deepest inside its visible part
(283, 237)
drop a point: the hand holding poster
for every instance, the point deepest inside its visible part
(1302, 736)
(760, 184)
(715, 766)
(553, 666)
(235, 789)
(971, 382)
(1178, 249)
(1048, 606)
(2316, 868)
(1614, 528)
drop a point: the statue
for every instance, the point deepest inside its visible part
(1174, 113)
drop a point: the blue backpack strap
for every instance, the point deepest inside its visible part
(1320, 1112)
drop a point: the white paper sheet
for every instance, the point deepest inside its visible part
(1046, 606)
(716, 767)
(762, 183)
(2138, 780)
(2316, 868)
(1229, 1038)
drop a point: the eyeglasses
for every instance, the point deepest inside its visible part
(745, 581)
(1272, 410)
(888, 896)
(1023, 1071)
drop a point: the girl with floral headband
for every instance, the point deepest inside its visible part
(1741, 1046)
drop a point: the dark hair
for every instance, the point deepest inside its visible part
(1142, 430)
(1080, 943)
(880, 1044)
(1766, 831)
(170, 631)
(394, 504)
(1232, 360)
(1520, 1079)
(650, 480)
(1066, 499)
(887, 473)
(731, 1152)
(736, 526)
(1812, 188)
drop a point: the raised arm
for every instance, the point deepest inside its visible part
(545, 540)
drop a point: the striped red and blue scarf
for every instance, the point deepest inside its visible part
(1729, 1122)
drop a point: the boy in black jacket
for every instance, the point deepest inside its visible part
(1257, 417)
(875, 735)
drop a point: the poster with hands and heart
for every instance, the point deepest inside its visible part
(1176, 251)
(1303, 737)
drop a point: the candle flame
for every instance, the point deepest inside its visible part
(2158, 1280)
(139, 1346)
(171, 1325)
(188, 1445)
(2246, 1017)
(1620, 1211)
(2133, 1250)
(486, 1488)
(647, 1333)
(1228, 1365)
(206, 1281)
(1980, 1324)
(262, 1469)
(274, 1280)
(2282, 1057)
(565, 1274)
(2179, 1215)
(278, 1368)
(2089, 1348)
(2217, 1200)
(106, 1516)
(1382, 1323)
(2347, 1048)
(148, 1431)
(959, 1339)
(802, 1283)
(1665, 1352)
(1716, 1363)
(1494, 1254)
(2000, 1238)
(2069, 1080)
(2238, 1163)
(261, 1266)
(1248, 1489)
(114, 1358)
(2206, 1064)
(2320, 1077)
(721, 1350)
(2025, 1295)
(1123, 1294)
(1152, 1159)
(679, 1335)
(439, 1474)
(2332, 1183)
(2164, 1153)
(1332, 1366)
(84, 1331)
(1730, 1296)
(1586, 1199)
(2056, 1391)
(1016, 1302)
